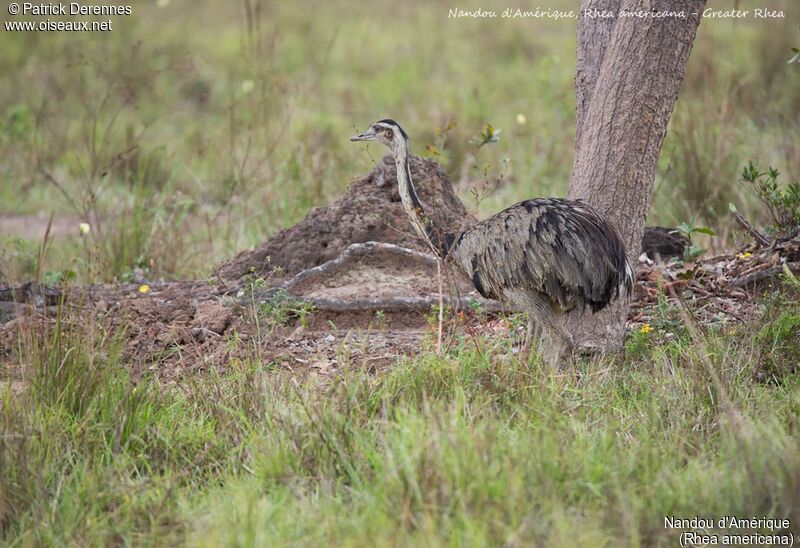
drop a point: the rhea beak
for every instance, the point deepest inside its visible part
(368, 135)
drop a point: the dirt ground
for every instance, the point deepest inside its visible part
(364, 317)
(33, 226)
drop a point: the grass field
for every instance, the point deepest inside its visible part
(197, 129)
(189, 133)
(464, 449)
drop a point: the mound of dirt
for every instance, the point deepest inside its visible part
(173, 325)
(381, 276)
(369, 211)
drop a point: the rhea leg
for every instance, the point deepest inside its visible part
(555, 341)
(564, 345)
(532, 334)
(543, 325)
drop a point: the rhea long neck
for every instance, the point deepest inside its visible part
(440, 243)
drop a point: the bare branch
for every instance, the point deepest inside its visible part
(760, 238)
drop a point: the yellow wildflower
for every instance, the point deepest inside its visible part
(521, 119)
(646, 329)
(144, 288)
(744, 256)
(84, 228)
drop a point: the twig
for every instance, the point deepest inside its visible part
(56, 183)
(471, 332)
(722, 401)
(761, 239)
(441, 307)
(40, 259)
(759, 275)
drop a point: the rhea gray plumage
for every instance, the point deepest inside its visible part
(544, 257)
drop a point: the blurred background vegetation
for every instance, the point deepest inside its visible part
(196, 129)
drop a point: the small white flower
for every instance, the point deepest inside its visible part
(521, 119)
(84, 228)
(248, 86)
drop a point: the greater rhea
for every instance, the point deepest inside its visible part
(544, 256)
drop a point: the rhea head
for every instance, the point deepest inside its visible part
(387, 132)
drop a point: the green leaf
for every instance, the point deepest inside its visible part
(487, 135)
(732, 207)
(750, 172)
(790, 277)
(704, 230)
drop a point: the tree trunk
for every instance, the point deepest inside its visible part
(629, 71)
(594, 35)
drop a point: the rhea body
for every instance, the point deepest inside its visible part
(544, 256)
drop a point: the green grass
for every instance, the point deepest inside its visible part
(188, 134)
(466, 448)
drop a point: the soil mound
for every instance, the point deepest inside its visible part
(370, 211)
(386, 277)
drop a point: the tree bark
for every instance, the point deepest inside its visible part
(629, 71)
(594, 35)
